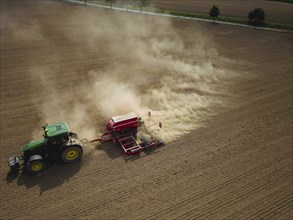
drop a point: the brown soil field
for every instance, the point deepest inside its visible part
(224, 95)
(277, 12)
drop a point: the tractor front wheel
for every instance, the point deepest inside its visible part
(36, 164)
(71, 154)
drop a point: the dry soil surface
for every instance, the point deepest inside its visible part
(238, 165)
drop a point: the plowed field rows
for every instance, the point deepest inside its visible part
(237, 166)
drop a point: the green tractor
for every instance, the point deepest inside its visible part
(59, 144)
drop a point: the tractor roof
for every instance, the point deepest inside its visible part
(56, 129)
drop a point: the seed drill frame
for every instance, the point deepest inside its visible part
(123, 129)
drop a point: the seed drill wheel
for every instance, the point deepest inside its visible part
(36, 164)
(71, 154)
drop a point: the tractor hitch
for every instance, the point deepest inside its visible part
(13, 163)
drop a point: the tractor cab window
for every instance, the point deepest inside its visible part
(64, 138)
(58, 140)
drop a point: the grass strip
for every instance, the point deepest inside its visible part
(284, 27)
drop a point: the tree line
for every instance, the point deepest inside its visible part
(255, 16)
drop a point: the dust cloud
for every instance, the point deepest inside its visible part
(137, 63)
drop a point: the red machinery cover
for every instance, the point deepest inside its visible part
(121, 122)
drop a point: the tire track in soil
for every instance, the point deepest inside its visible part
(216, 186)
(248, 189)
(249, 212)
(278, 196)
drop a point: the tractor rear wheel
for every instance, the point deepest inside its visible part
(36, 164)
(71, 154)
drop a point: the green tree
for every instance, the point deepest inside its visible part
(111, 2)
(250, 16)
(214, 12)
(143, 3)
(256, 16)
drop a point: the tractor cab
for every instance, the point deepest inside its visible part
(56, 134)
(55, 129)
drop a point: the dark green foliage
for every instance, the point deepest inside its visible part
(214, 12)
(143, 3)
(286, 1)
(160, 10)
(111, 2)
(250, 16)
(186, 14)
(256, 16)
